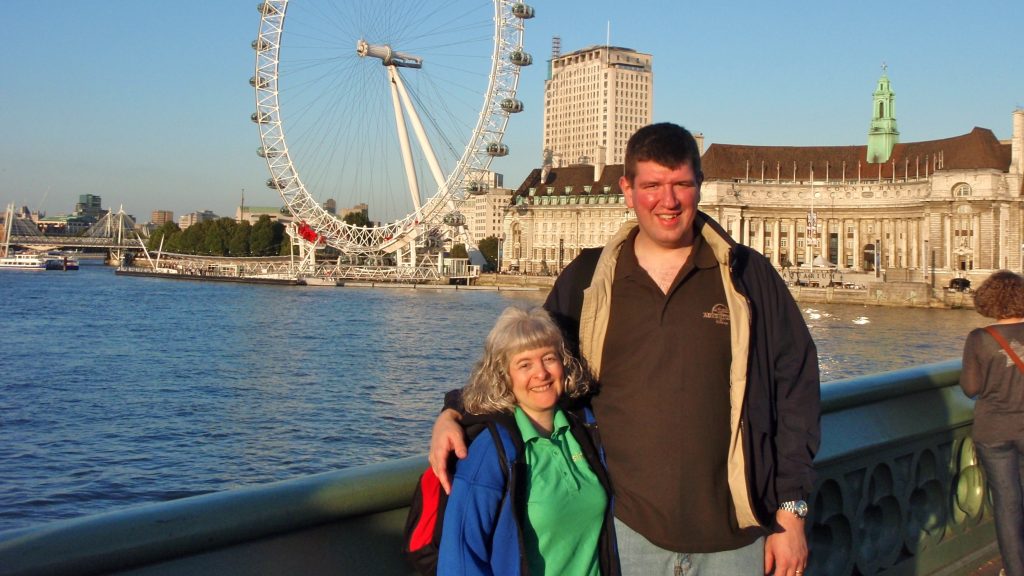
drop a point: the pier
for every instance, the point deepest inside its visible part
(899, 491)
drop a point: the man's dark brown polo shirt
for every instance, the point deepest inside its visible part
(663, 406)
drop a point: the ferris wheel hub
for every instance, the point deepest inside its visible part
(387, 56)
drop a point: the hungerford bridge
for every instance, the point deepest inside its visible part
(115, 231)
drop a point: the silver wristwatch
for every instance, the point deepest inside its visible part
(797, 507)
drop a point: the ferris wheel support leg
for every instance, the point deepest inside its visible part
(417, 125)
(403, 138)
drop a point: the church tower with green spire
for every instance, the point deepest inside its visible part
(883, 134)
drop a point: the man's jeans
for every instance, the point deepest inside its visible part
(639, 557)
(1004, 466)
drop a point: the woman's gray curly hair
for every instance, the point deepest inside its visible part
(489, 389)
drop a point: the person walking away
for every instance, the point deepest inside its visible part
(993, 374)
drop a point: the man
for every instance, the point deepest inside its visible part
(709, 392)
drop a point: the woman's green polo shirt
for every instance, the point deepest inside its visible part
(565, 502)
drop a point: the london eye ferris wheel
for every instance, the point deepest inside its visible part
(398, 105)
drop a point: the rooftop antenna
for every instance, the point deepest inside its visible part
(608, 35)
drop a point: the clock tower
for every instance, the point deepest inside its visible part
(883, 134)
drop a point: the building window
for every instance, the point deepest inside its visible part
(962, 189)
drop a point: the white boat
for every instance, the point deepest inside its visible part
(24, 262)
(38, 262)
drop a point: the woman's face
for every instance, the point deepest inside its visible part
(536, 377)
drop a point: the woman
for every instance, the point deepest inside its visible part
(991, 373)
(546, 511)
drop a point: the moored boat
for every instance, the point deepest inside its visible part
(61, 261)
(24, 262)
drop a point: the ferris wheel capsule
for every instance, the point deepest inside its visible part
(264, 152)
(260, 45)
(475, 188)
(260, 117)
(522, 10)
(520, 57)
(267, 9)
(259, 81)
(497, 149)
(512, 105)
(454, 219)
(278, 183)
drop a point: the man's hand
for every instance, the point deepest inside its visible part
(785, 549)
(446, 437)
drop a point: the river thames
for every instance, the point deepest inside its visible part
(119, 391)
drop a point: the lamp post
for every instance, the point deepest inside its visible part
(933, 270)
(926, 267)
(498, 271)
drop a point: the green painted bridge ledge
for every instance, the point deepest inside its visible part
(899, 492)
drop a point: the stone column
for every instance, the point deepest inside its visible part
(947, 231)
(915, 248)
(776, 229)
(841, 244)
(858, 250)
(792, 241)
(975, 244)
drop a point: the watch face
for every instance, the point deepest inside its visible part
(801, 508)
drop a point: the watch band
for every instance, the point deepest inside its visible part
(796, 507)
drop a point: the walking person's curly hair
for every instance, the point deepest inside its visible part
(1001, 295)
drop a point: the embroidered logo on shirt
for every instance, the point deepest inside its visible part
(719, 313)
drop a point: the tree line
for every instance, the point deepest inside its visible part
(226, 237)
(223, 237)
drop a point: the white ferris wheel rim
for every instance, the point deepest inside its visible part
(490, 127)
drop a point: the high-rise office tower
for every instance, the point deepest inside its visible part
(594, 99)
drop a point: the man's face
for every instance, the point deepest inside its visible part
(665, 200)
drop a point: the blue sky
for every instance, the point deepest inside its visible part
(147, 103)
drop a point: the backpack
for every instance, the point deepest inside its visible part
(421, 539)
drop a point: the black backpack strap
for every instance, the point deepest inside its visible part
(499, 445)
(507, 440)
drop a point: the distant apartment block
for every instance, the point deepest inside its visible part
(484, 212)
(195, 218)
(362, 208)
(161, 217)
(252, 214)
(594, 99)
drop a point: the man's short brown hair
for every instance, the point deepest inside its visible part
(665, 143)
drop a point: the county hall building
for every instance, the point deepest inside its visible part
(913, 211)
